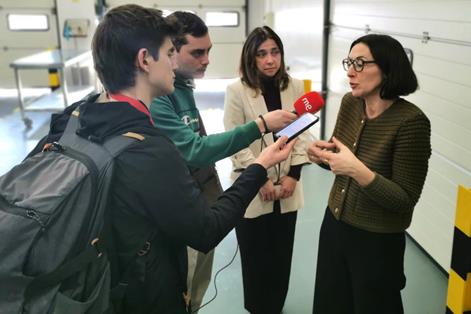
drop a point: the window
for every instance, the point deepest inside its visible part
(224, 19)
(167, 12)
(28, 22)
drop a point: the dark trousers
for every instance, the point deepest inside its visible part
(358, 271)
(266, 248)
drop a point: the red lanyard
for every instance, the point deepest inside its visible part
(133, 102)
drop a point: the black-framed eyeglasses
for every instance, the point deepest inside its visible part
(358, 64)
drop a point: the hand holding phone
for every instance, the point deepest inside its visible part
(298, 126)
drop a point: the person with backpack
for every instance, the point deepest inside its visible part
(154, 208)
(178, 117)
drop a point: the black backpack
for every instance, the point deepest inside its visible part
(54, 237)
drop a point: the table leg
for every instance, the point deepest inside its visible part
(28, 122)
(64, 87)
(79, 75)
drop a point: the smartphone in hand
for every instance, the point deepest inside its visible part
(298, 126)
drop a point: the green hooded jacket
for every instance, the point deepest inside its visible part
(178, 118)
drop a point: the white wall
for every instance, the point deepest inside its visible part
(82, 12)
(18, 44)
(443, 67)
(299, 24)
(225, 54)
(77, 9)
(445, 89)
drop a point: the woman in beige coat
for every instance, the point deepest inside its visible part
(266, 234)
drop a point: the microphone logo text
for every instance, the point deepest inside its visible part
(307, 105)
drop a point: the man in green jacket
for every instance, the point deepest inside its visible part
(178, 117)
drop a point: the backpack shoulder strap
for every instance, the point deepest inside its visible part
(117, 144)
(93, 251)
(114, 145)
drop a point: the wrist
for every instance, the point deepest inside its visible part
(364, 175)
(260, 126)
(265, 164)
(264, 123)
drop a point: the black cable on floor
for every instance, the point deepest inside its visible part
(215, 278)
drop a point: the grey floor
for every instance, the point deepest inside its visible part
(425, 292)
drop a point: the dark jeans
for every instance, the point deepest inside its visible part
(358, 271)
(266, 248)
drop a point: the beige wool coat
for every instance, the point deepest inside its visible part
(241, 105)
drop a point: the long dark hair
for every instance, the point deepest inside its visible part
(248, 64)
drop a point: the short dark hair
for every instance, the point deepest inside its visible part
(187, 23)
(248, 63)
(399, 78)
(119, 36)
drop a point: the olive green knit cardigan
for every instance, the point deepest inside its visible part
(396, 146)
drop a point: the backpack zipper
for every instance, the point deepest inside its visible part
(83, 158)
(90, 165)
(24, 212)
(31, 213)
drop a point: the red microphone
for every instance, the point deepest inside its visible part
(310, 102)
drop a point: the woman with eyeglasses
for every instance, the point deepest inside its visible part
(379, 153)
(266, 234)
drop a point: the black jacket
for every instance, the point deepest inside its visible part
(153, 191)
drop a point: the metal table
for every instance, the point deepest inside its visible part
(51, 59)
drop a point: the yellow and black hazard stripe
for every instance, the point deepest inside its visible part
(459, 281)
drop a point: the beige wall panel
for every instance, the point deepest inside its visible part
(432, 103)
(28, 39)
(30, 78)
(299, 24)
(450, 19)
(436, 29)
(7, 4)
(227, 41)
(444, 177)
(451, 173)
(433, 235)
(453, 151)
(455, 10)
(18, 44)
(228, 34)
(446, 52)
(180, 3)
(224, 61)
(438, 86)
(432, 196)
(433, 222)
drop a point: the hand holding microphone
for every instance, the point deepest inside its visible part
(310, 102)
(305, 106)
(275, 120)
